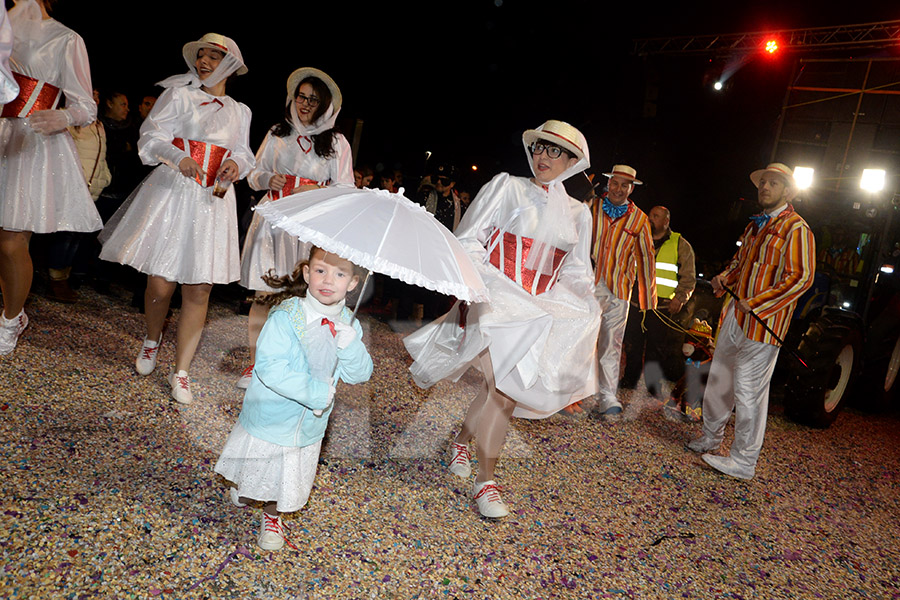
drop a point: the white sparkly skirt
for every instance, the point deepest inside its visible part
(174, 228)
(269, 248)
(543, 348)
(42, 187)
(268, 472)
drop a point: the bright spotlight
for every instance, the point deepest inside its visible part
(872, 180)
(717, 86)
(738, 243)
(846, 305)
(887, 269)
(772, 46)
(804, 177)
(474, 167)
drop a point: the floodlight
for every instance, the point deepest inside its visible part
(804, 177)
(872, 180)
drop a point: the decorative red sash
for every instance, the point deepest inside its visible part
(209, 156)
(292, 183)
(508, 252)
(34, 95)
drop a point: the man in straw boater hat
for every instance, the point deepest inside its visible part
(772, 268)
(622, 251)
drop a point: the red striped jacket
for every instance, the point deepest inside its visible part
(771, 270)
(622, 250)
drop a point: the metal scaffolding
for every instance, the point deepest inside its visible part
(866, 35)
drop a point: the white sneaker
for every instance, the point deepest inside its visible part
(181, 387)
(703, 444)
(726, 465)
(459, 460)
(487, 497)
(235, 499)
(10, 330)
(244, 382)
(271, 533)
(146, 358)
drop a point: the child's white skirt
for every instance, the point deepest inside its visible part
(268, 472)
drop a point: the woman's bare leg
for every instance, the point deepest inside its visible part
(487, 419)
(156, 304)
(194, 304)
(16, 270)
(258, 315)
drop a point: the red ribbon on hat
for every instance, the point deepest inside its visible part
(330, 326)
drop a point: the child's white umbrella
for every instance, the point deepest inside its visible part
(383, 232)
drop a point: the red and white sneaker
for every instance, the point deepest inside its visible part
(146, 358)
(10, 330)
(244, 382)
(459, 460)
(271, 533)
(487, 497)
(181, 387)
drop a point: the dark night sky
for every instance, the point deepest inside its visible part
(463, 79)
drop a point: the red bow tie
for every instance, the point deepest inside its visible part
(330, 326)
(213, 101)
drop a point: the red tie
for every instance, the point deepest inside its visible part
(330, 326)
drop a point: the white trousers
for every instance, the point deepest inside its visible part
(609, 343)
(739, 380)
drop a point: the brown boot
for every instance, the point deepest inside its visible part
(59, 290)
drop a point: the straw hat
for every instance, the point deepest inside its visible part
(217, 42)
(625, 172)
(778, 168)
(303, 72)
(560, 133)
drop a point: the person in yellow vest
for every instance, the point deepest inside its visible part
(647, 340)
(623, 254)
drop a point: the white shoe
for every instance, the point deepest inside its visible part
(703, 444)
(235, 499)
(10, 330)
(726, 465)
(181, 387)
(487, 497)
(459, 460)
(244, 382)
(146, 358)
(271, 533)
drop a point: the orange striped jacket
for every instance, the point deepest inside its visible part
(771, 270)
(622, 250)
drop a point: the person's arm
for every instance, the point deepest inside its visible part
(241, 154)
(646, 267)
(476, 225)
(158, 130)
(277, 371)
(687, 276)
(799, 262)
(340, 166)
(354, 362)
(80, 107)
(262, 173)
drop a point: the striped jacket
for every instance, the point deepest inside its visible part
(771, 270)
(622, 250)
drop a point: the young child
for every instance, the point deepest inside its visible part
(272, 452)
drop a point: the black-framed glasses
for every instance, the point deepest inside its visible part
(312, 101)
(553, 151)
(443, 180)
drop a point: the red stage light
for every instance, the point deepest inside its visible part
(771, 46)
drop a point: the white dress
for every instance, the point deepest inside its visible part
(543, 345)
(171, 226)
(42, 188)
(266, 247)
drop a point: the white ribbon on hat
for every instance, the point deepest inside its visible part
(557, 223)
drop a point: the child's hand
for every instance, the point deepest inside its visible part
(345, 334)
(331, 390)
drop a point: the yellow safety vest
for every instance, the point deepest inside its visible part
(667, 267)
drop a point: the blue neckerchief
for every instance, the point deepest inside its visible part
(614, 211)
(760, 220)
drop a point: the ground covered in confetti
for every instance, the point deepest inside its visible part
(108, 489)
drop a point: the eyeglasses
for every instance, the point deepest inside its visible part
(553, 151)
(312, 101)
(443, 180)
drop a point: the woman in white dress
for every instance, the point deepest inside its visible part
(42, 189)
(178, 226)
(535, 341)
(302, 152)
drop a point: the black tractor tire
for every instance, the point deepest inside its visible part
(880, 379)
(832, 350)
